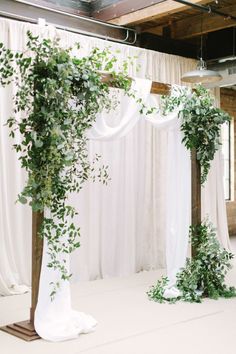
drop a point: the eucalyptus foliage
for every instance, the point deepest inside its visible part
(204, 275)
(201, 122)
(57, 99)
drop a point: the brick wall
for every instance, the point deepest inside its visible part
(228, 103)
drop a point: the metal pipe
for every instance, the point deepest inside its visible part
(87, 19)
(128, 31)
(71, 29)
(207, 8)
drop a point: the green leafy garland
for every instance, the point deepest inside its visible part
(200, 122)
(57, 100)
(204, 275)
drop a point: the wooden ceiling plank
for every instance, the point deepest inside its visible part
(197, 25)
(154, 12)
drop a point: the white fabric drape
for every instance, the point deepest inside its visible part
(213, 207)
(135, 202)
(117, 248)
(55, 325)
(129, 112)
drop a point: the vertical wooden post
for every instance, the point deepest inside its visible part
(25, 329)
(37, 252)
(196, 190)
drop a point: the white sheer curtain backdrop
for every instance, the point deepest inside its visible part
(107, 249)
(135, 201)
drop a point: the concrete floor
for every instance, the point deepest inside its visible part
(128, 323)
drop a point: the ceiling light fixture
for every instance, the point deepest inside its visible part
(201, 74)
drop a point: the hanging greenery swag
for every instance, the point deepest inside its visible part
(204, 274)
(201, 122)
(57, 99)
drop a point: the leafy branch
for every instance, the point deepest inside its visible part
(56, 102)
(201, 122)
(204, 275)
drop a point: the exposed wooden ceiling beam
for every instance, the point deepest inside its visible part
(154, 12)
(200, 24)
(197, 25)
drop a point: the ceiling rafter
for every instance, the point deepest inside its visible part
(154, 12)
(199, 24)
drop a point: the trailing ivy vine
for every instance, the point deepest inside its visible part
(201, 122)
(204, 275)
(57, 100)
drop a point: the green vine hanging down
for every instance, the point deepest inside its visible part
(57, 100)
(201, 122)
(204, 275)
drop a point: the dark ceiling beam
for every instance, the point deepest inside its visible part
(227, 44)
(109, 10)
(211, 51)
(167, 45)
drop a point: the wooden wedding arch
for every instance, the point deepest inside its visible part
(25, 329)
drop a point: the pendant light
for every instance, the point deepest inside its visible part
(201, 74)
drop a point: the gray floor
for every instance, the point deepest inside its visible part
(128, 323)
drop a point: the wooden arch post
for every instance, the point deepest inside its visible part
(25, 329)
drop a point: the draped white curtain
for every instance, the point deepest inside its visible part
(123, 224)
(56, 320)
(136, 163)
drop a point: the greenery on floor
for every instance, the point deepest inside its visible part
(204, 275)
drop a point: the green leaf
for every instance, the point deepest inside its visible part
(22, 200)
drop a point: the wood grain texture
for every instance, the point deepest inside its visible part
(196, 188)
(23, 330)
(201, 24)
(158, 88)
(37, 253)
(154, 12)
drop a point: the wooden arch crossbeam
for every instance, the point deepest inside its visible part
(25, 329)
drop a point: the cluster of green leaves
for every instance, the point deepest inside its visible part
(204, 275)
(200, 122)
(57, 100)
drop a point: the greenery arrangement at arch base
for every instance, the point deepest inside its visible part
(203, 275)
